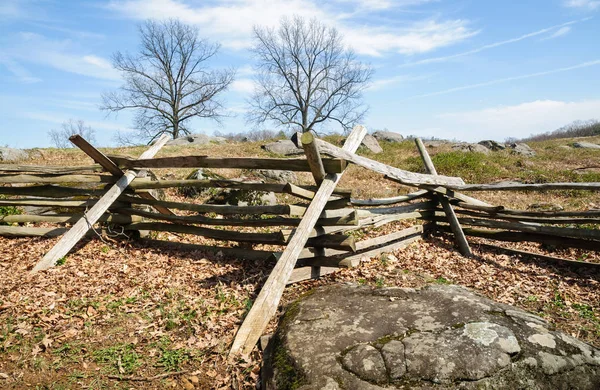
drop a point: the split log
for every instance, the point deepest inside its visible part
(55, 179)
(267, 301)
(543, 214)
(388, 201)
(308, 192)
(26, 218)
(399, 175)
(589, 234)
(526, 187)
(51, 191)
(202, 220)
(110, 166)
(524, 218)
(55, 169)
(335, 241)
(78, 230)
(374, 212)
(285, 164)
(63, 203)
(459, 236)
(511, 236)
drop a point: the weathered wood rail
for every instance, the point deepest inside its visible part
(311, 234)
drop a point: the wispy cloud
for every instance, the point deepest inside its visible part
(17, 70)
(63, 55)
(59, 118)
(379, 84)
(507, 79)
(582, 4)
(231, 22)
(495, 44)
(243, 85)
(559, 33)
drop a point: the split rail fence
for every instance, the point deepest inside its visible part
(314, 232)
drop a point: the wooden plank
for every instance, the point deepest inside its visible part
(311, 150)
(457, 195)
(459, 236)
(402, 176)
(588, 234)
(285, 164)
(55, 179)
(511, 236)
(57, 169)
(110, 166)
(266, 303)
(78, 230)
(388, 201)
(526, 187)
(202, 220)
(27, 218)
(334, 241)
(379, 211)
(50, 191)
(542, 214)
(66, 203)
(524, 218)
(220, 208)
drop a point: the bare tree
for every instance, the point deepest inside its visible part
(306, 76)
(60, 137)
(169, 81)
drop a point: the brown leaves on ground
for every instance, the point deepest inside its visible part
(124, 308)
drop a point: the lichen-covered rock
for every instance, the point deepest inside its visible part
(12, 155)
(371, 143)
(284, 147)
(388, 136)
(521, 149)
(475, 148)
(195, 139)
(275, 176)
(436, 337)
(492, 145)
(199, 174)
(585, 145)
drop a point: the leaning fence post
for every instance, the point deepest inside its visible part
(72, 237)
(459, 235)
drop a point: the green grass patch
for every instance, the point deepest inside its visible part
(119, 358)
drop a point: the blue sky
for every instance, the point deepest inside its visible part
(467, 70)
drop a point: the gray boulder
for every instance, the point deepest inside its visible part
(521, 149)
(388, 136)
(371, 143)
(586, 145)
(195, 139)
(474, 148)
(199, 174)
(12, 155)
(284, 147)
(275, 176)
(492, 145)
(439, 336)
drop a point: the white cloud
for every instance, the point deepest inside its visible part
(560, 32)
(380, 84)
(59, 118)
(59, 54)
(231, 22)
(17, 70)
(497, 44)
(518, 120)
(583, 4)
(508, 79)
(245, 86)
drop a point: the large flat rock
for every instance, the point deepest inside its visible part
(439, 336)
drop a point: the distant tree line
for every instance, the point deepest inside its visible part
(587, 128)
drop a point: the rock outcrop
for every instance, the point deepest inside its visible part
(388, 136)
(492, 145)
(12, 155)
(284, 147)
(476, 148)
(436, 337)
(371, 143)
(521, 149)
(585, 145)
(195, 139)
